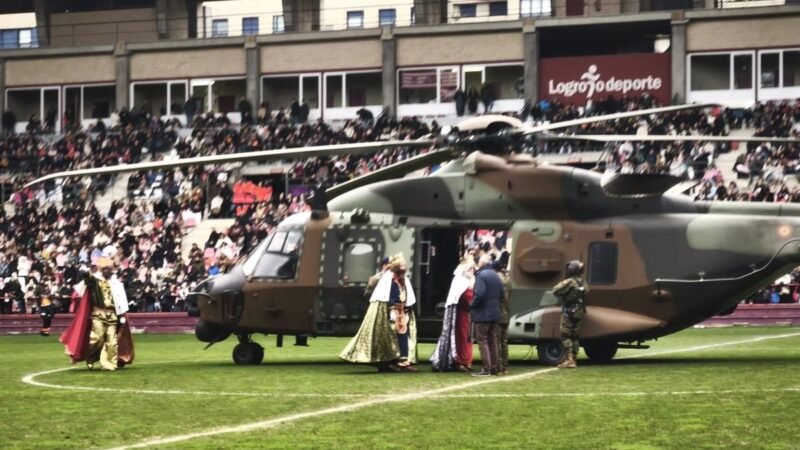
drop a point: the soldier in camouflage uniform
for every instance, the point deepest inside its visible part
(572, 292)
(502, 325)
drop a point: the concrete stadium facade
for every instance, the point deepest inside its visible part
(730, 55)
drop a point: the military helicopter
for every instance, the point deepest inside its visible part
(656, 262)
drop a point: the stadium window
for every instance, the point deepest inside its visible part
(467, 10)
(219, 28)
(770, 64)
(710, 72)
(791, 68)
(498, 8)
(25, 38)
(386, 17)
(742, 71)
(534, 8)
(355, 19)
(602, 262)
(9, 39)
(413, 16)
(277, 24)
(249, 25)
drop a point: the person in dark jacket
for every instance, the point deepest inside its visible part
(9, 122)
(47, 310)
(485, 313)
(460, 97)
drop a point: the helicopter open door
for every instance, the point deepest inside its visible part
(438, 253)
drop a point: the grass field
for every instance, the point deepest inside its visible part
(702, 388)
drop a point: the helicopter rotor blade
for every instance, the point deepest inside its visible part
(262, 155)
(615, 116)
(396, 170)
(665, 138)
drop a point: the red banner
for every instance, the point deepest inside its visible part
(418, 79)
(577, 79)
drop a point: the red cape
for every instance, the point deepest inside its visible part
(76, 337)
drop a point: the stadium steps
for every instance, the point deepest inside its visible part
(118, 190)
(200, 233)
(725, 161)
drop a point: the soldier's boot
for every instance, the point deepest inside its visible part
(565, 363)
(571, 362)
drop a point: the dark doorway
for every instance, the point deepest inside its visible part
(439, 251)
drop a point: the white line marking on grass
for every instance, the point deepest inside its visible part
(271, 423)
(708, 346)
(375, 399)
(622, 394)
(31, 379)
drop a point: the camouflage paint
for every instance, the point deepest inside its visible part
(664, 244)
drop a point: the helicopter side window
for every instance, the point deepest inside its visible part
(281, 256)
(602, 263)
(360, 262)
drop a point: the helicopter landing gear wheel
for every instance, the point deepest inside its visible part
(601, 352)
(551, 353)
(248, 353)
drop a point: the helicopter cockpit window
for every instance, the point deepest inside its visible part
(602, 263)
(249, 263)
(277, 241)
(360, 262)
(281, 256)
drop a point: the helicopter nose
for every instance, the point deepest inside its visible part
(207, 300)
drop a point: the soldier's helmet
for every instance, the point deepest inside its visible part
(574, 267)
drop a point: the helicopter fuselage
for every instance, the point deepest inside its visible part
(655, 264)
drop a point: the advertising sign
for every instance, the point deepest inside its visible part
(577, 79)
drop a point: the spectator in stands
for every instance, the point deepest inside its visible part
(302, 115)
(264, 114)
(50, 121)
(46, 217)
(190, 109)
(13, 290)
(487, 97)
(9, 122)
(245, 111)
(472, 101)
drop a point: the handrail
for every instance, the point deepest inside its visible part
(754, 271)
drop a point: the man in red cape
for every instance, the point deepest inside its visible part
(94, 334)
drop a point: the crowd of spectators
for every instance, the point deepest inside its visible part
(56, 233)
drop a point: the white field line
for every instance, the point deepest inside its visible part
(271, 423)
(708, 346)
(31, 378)
(624, 394)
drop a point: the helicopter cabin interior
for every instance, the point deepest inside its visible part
(439, 251)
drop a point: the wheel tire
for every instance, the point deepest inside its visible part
(248, 353)
(601, 351)
(259, 356)
(551, 353)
